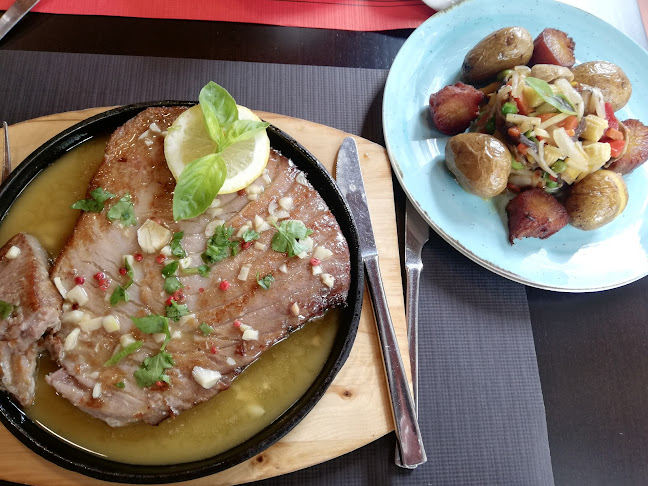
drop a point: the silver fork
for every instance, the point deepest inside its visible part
(417, 232)
(6, 167)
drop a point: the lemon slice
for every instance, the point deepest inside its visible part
(188, 140)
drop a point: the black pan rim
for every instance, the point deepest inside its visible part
(60, 452)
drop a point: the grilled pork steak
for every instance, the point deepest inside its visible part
(30, 306)
(231, 318)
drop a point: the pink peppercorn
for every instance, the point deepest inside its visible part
(224, 285)
(79, 280)
(315, 261)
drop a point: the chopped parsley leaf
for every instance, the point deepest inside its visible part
(265, 282)
(175, 311)
(250, 235)
(171, 284)
(154, 324)
(120, 384)
(6, 309)
(123, 211)
(219, 245)
(176, 246)
(95, 203)
(170, 269)
(206, 328)
(203, 270)
(122, 353)
(120, 294)
(285, 240)
(152, 369)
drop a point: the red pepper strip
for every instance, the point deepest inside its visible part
(514, 132)
(613, 134)
(523, 108)
(569, 123)
(545, 116)
(522, 149)
(616, 146)
(611, 117)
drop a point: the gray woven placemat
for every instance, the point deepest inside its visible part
(482, 414)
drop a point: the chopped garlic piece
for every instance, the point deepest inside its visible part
(283, 268)
(71, 339)
(148, 142)
(94, 375)
(90, 324)
(307, 243)
(96, 390)
(159, 337)
(231, 361)
(59, 286)
(144, 135)
(126, 340)
(294, 309)
(184, 319)
(244, 327)
(301, 179)
(185, 262)
(245, 271)
(252, 197)
(110, 323)
(316, 269)
(250, 335)
(272, 207)
(166, 251)
(213, 212)
(66, 306)
(13, 253)
(152, 237)
(266, 178)
(176, 335)
(155, 128)
(302, 254)
(215, 203)
(322, 253)
(260, 246)
(242, 230)
(254, 189)
(204, 377)
(327, 279)
(286, 203)
(78, 295)
(73, 317)
(281, 214)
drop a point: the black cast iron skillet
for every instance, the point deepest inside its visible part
(68, 456)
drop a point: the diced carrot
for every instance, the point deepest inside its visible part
(522, 149)
(523, 107)
(614, 134)
(611, 117)
(491, 88)
(616, 146)
(569, 123)
(513, 188)
(514, 132)
(545, 116)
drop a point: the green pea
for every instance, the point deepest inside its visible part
(501, 76)
(490, 126)
(509, 108)
(517, 165)
(559, 166)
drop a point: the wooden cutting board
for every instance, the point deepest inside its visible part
(355, 410)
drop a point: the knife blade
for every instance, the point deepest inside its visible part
(13, 15)
(351, 184)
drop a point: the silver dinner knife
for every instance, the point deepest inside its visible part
(351, 184)
(16, 12)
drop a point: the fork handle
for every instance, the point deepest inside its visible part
(406, 426)
(413, 277)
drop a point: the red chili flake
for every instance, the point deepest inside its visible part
(224, 285)
(178, 296)
(241, 192)
(75, 306)
(160, 384)
(100, 276)
(139, 257)
(79, 280)
(104, 285)
(201, 290)
(122, 271)
(169, 300)
(213, 350)
(236, 323)
(246, 244)
(160, 258)
(315, 261)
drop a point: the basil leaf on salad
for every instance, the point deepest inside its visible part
(198, 185)
(560, 102)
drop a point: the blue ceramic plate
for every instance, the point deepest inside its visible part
(431, 58)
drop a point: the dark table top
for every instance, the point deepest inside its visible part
(592, 349)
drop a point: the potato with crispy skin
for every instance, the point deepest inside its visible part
(636, 150)
(596, 200)
(454, 107)
(480, 162)
(609, 78)
(553, 46)
(535, 214)
(500, 50)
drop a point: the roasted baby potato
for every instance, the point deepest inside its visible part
(454, 107)
(596, 200)
(553, 46)
(535, 214)
(480, 162)
(636, 149)
(503, 49)
(609, 78)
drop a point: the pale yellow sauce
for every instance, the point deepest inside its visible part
(256, 398)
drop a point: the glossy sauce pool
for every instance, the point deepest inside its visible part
(256, 398)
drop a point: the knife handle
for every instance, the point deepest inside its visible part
(406, 426)
(413, 277)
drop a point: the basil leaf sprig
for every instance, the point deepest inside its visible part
(176, 245)
(560, 102)
(95, 203)
(285, 240)
(202, 178)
